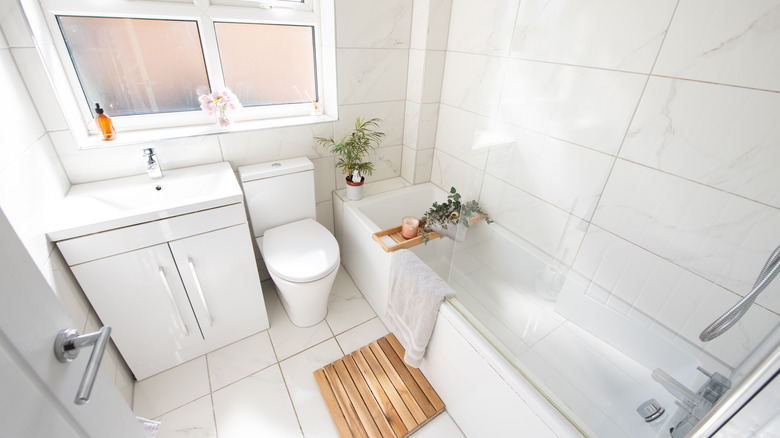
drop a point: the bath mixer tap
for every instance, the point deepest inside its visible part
(152, 166)
(698, 404)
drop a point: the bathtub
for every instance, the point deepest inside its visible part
(481, 376)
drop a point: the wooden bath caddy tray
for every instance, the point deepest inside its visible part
(401, 243)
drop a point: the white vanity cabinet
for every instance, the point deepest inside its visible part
(139, 294)
(174, 288)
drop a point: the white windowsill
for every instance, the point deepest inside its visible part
(157, 134)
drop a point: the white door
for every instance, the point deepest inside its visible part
(38, 392)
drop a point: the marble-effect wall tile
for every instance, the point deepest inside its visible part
(734, 43)
(86, 165)
(39, 87)
(415, 75)
(27, 189)
(422, 166)
(433, 76)
(427, 124)
(614, 34)
(407, 164)
(21, 118)
(473, 82)
(466, 137)
(390, 113)
(482, 27)
(387, 164)
(724, 137)
(363, 24)
(721, 237)
(448, 171)
(243, 148)
(439, 24)
(568, 176)
(411, 123)
(580, 83)
(544, 226)
(324, 178)
(371, 75)
(419, 32)
(589, 107)
(669, 296)
(14, 25)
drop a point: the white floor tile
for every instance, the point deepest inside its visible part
(256, 406)
(441, 426)
(171, 389)
(287, 338)
(193, 420)
(346, 305)
(361, 335)
(238, 360)
(253, 395)
(298, 374)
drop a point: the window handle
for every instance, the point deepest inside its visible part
(66, 348)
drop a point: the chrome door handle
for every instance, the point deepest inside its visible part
(66, 348)
(200, 292)
(175, 306)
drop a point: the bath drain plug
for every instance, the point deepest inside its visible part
(650, 410)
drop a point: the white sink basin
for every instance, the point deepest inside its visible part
(105, 205)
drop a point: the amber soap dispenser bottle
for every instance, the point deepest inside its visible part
(104, 124)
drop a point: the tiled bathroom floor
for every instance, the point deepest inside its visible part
(263, 386)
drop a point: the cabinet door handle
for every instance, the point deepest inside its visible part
(173, 302)
(200, 292)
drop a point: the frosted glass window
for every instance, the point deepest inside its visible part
(268, 64)
(136, 66)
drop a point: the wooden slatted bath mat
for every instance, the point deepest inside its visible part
(372, 393)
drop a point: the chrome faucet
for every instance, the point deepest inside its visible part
(152, 166)
(698, 404)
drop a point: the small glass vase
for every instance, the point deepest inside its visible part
(224, 122)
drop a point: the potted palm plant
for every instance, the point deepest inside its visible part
(352, 150)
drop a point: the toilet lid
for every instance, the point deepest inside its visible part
(300, 251)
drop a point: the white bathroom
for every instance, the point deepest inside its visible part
(622, 149)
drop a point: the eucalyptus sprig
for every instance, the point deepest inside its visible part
(451, 212)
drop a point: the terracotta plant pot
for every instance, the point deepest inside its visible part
(355, 190)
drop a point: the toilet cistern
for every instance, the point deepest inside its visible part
(152, 166)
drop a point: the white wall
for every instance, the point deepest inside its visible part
(643, 132)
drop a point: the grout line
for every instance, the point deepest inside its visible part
(211, 397)
(670, 261)
(698, 183)
(616, 156)
(615, 70)
(289, 396)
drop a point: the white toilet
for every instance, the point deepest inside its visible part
(301, 255)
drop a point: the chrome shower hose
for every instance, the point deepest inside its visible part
(728, 319)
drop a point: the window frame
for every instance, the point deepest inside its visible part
(150, 127)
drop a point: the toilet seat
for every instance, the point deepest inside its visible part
(301, 251)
